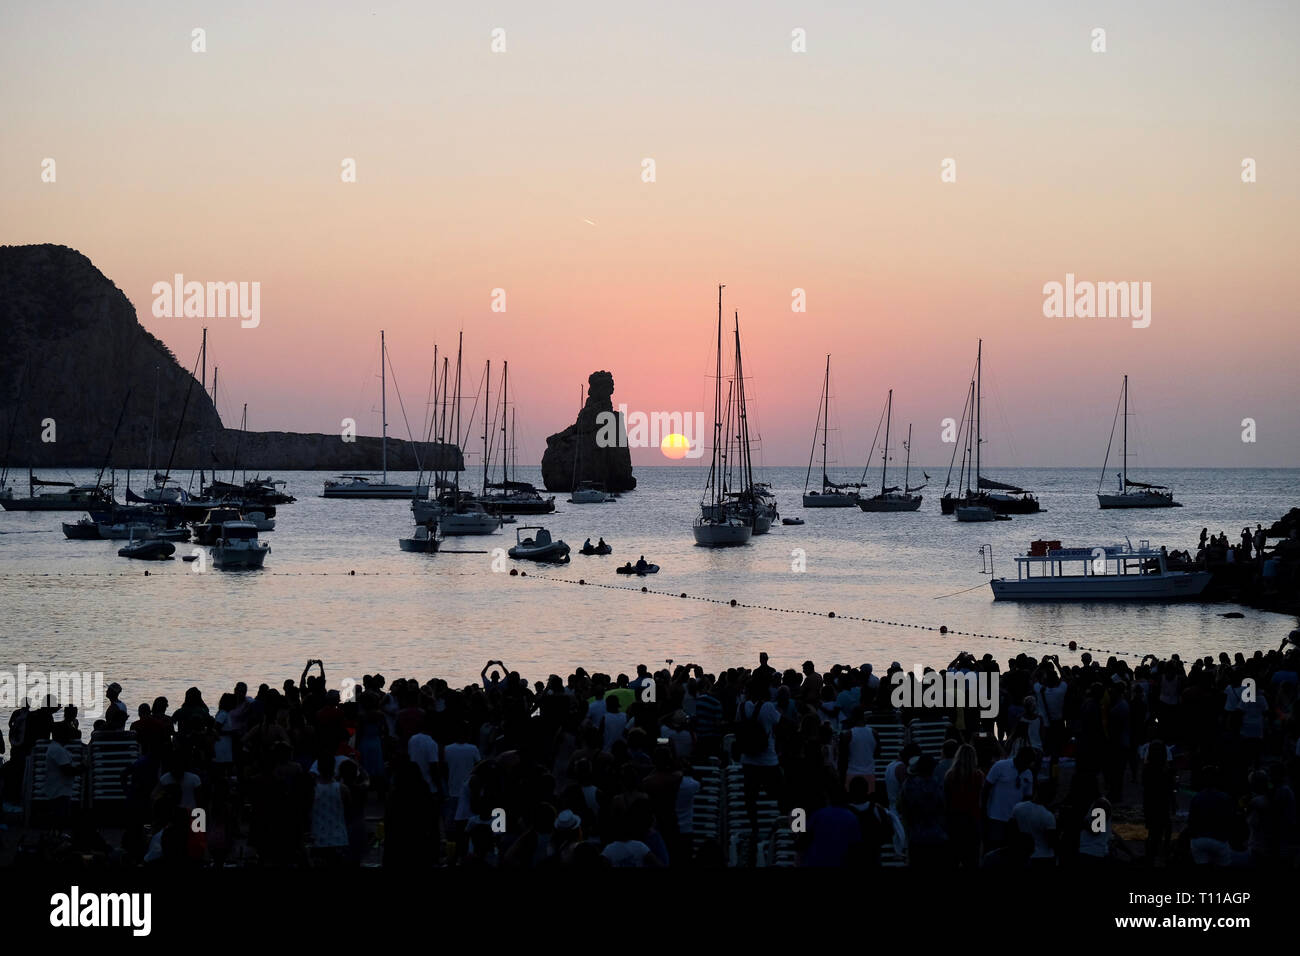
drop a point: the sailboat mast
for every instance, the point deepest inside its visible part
(884, 461)
(204, 383)
(505, 437)
(747, 458)
(1124, 483)
(487, 401)
(826, 415)
(383, 407)
(907, 466)
(715, 467)
(979, 411)
(456, 422)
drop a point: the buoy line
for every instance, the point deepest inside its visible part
(583, 582)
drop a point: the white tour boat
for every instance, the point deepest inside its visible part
(1115, 573)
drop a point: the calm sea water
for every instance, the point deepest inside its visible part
(76, 605)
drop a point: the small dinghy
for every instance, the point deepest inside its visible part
(172, 534)
(423, 541)
(539, 547)
(596, 549)
(792, 521)
(153, 549)
(630, 568)
(83, 530)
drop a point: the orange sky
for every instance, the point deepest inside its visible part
(775, 170)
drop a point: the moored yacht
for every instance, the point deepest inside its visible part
(832, 494)
(1131, 494)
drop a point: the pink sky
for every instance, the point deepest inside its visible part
(775, 170)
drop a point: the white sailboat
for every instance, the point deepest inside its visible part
(365, 486)
(892, 498)
(1131, 494)
(832, 495)
(716, 527)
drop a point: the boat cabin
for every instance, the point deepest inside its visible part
(1047, 559)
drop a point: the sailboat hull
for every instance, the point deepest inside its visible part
(376, 490)
(890, 503)
(829, 499)
(723, 534)
(1140, 500)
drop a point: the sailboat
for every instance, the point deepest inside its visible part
(754, 503)
(1131, 494)
(507, 497)
(832, 495)
(998, 496)
(715, 527)
(364, 486)
(456, 512)
(893, 498)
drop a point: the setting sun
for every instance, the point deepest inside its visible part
(675, 446)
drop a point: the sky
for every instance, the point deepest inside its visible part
(775, 168)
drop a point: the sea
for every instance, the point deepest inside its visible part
(337, 587)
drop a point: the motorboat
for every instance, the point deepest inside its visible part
(209, 529)
(172, 534)
(975, 513)
(424, 541)
(122, 531)
(1115, 573)
(590, 493)
(260, 520)
(151, 549)
(538, 547)
(238, 547)
(456, 518)
(83, 530)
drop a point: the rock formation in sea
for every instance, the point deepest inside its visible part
(73, 347)
(574, 456)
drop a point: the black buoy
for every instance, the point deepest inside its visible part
(582, 581)
(683, 594)
(943, 629)
(1074, 646)
(352, 574)
(831, 614)
(514, 572)
(644, 589)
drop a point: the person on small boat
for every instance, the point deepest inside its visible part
(628, 568)
(641, 564)
(601, 544)
(586, 545)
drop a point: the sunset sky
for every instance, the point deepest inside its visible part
(774, 170)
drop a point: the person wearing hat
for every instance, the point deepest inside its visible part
(565, 836)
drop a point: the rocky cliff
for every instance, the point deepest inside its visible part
(573, 456)
(73, 347)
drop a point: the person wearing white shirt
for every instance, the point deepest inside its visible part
(1038, 823)
(1009, 782)
(423, 751)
